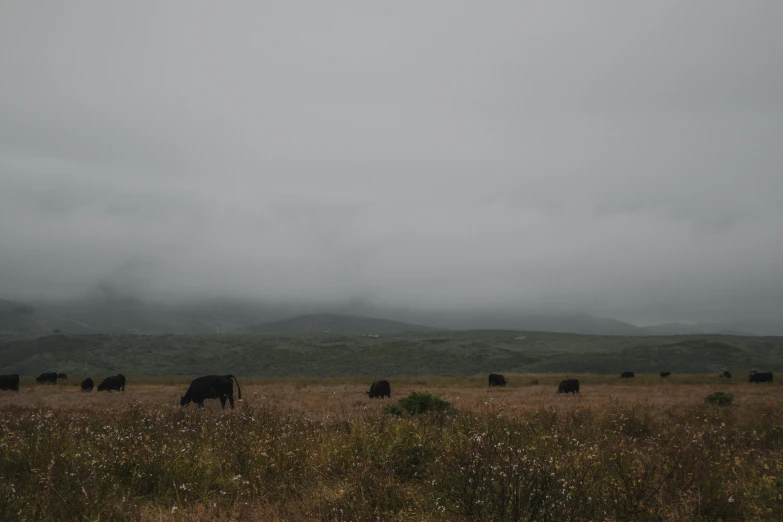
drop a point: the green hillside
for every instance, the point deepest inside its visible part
(413, 353)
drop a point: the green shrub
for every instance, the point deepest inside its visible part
(417, 403)
(720, 398)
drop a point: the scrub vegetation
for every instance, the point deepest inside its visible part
(452, 353)
(319, 449)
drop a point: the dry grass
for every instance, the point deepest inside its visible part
(346, 398)
(319, 449)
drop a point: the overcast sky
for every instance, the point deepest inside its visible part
(623, 158)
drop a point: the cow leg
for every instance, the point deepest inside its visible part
(231, 400)
(223, 401)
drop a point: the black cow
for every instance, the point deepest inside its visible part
(211, 387)
(380, 389)
(495, 379)
(760, 377)
(627, 375)
(665, 374)
(50, 377)
(87, 385)
(62, 376)
(725, 375)
(116, 382)
(9, 382)
(568, 386)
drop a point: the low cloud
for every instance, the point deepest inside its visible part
(516, 156)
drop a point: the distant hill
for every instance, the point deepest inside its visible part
(129, 315)
(337, 323)
(690, 329)
(113, 313)
(576, 323)
(447, 353)
(20, 320)
(497, 318)
(738, 327)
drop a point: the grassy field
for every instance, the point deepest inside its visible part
(450, 353)
(319, 449)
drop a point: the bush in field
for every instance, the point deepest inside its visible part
(720, 398)
(417, 403)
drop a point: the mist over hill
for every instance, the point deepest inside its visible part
(336, 323)
(114, 313)
(137, 337)
(124, 314)
(737, 327)
(20, 320)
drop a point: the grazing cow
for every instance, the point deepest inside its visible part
(87, 385)
(627, 375)
(211, 387)
(760, 377)
(62, 376)
(380, 389)
(725, 375)
(9, 382)
(568, 386)
(117, 382)
(50, 377)
(495, 379)
(665, 374)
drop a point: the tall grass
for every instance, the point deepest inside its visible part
(515, 380)
(625, 462)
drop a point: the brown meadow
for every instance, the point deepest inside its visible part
(320, 449)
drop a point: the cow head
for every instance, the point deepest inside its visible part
(184, 401)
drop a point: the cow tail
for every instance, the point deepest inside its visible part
(239, 390)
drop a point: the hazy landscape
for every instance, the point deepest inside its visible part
(130, 314)
(306, 200)
(331, 345)
(306, 443)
